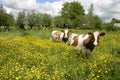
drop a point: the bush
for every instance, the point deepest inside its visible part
(110, 27)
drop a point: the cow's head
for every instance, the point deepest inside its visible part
(97, 36)
(89, 40)
(66, 35)
(92, 39)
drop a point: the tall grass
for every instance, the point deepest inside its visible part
(29, 55)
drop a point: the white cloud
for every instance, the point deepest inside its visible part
(106, 9)
(109, 9)
(20, 4)
(50, 8)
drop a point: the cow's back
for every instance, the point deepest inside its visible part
(55, 35)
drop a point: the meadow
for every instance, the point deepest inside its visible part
(30, 55)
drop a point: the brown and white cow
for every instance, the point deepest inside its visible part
(85, 42)
(61, 36)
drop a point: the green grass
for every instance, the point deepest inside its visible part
(29, 55)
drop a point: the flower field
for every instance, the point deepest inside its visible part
(29, 55)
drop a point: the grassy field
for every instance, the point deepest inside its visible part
(29, 55)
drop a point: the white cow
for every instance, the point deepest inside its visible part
(85, 42)
(61, 36)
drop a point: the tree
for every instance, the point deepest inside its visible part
(59, 21)
(90, 15)
(72, 12)
(46, 20)
(32, 19)
(2, 12)
(8, 21)
(114, 20)
(38, 20)
(21, 20)
(97, 22)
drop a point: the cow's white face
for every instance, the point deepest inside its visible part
(66, 33)
(97, 37)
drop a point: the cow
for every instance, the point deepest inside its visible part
(61, 36)
(85, 42)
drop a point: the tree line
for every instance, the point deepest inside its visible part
(72, 15)
(6, 20)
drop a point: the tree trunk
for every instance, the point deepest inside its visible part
(22, 27)
(6, 28)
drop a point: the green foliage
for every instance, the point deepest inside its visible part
(35, 19)
(90, 16)
(2, 12)
(110, 27)
(31, 19)
(30, 55)
(97, 23)
(72, 13)
(93, 20)
(6, 19)
(46, 20)
(9, 20)
(58, 21)
(21, 20)
(72, 10)
(114, 20)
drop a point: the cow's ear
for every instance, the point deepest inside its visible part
(69, 30)
(90, 33)
(62, 30)
(102, 34)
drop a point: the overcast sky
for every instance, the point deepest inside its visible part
(105, 9)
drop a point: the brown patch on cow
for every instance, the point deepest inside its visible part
(89, 39)
(75, 43)
(57, 35)
(88, 43)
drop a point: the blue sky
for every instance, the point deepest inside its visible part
(43, 1)
(0, 3)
